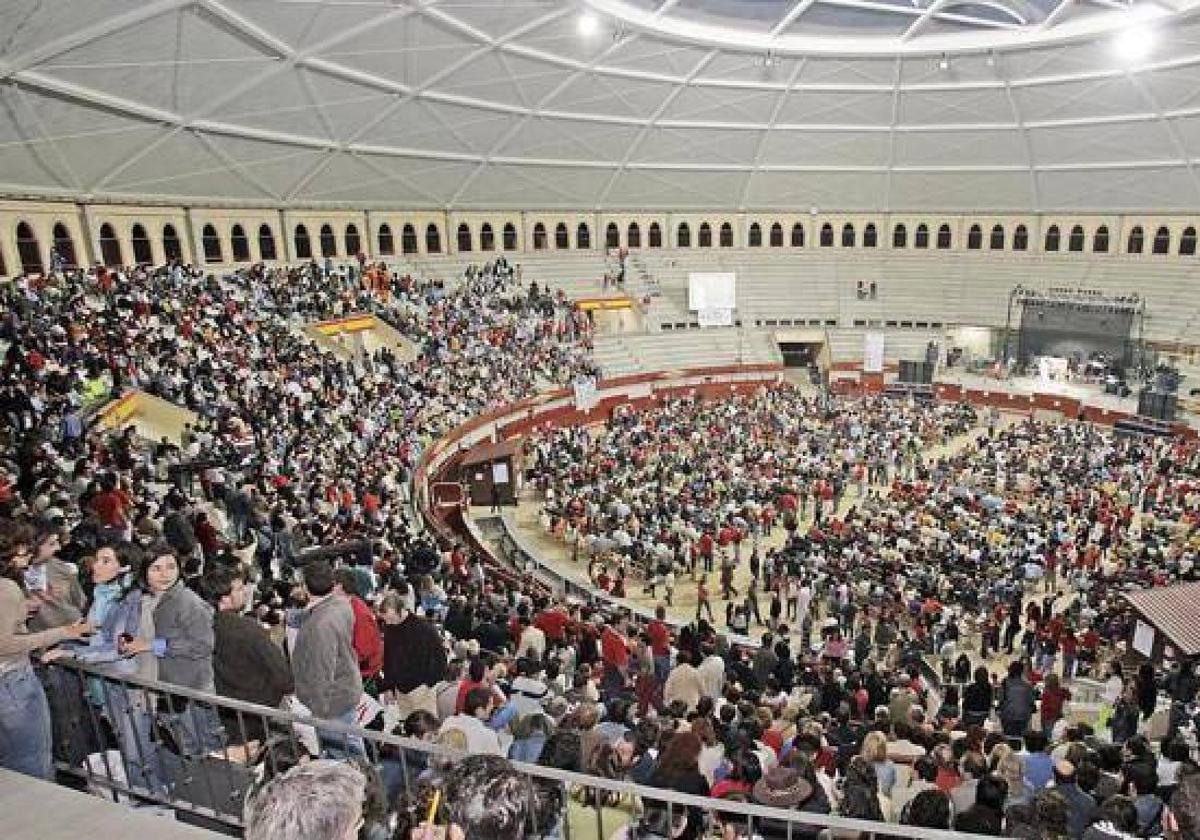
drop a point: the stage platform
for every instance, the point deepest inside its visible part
(1087, 394)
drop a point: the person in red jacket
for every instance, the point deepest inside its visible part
(368, 640)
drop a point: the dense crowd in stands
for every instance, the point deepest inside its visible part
(273, 557)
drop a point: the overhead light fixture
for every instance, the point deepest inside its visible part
(944, 62)
(589, 24)
(991, 59)
(1133, 44)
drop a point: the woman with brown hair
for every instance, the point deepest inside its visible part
(678, 770)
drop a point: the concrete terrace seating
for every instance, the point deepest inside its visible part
(579, 274)
(625, 354)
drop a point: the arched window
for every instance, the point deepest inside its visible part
(408, 240)
(944, 239)
(211, 244)
(777, 235)
(612, 236)
(387, 245)
(487, 237)
(28, 250)
(1137, 240)
(328, 242)
(303, 243)
(172, 247)
(464, 238)
(900, 236)
(1021, 238)
(1075, 240)
(870, 236)
(1100, 240)
(433, 239)
(353, 240)
(726, 235)
(683, 236)
(64, 245)
(266, 242)
(633, 237)
(655, 235)
(704, 238)
(798, 235)
(562, 238)
(1187, 242)
(239, 246)
(974, 238)
(583, 236)
(510, 236)
(539, 237)
(754, 238)
(110, 246)
(847, 235)
(827, 235)
(1052, 238)
(1162, 241)
(142, 254)
(996, 242)
(921, 238)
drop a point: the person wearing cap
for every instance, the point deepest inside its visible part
(781, 787)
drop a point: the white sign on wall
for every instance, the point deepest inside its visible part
(873, 353)
(714, 317)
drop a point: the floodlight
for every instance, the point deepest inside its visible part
(1133, 45)
(588, 24)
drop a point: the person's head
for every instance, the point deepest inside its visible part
(16, 548)
(161, 570)
(985, 821)
(1050, 812)
(991, 793)
(106, 565)
(974, 766)
(982, 677)
(680, 754)
(225, 588)
(318, 578)
(345, 582)
(487, 798)
(1141, 778)
(1035, 741)
(393, 609)
(928, 809)
(925, 768)
(478, 703)
(419, 724)
(874, 746)
(1121, 812)
(1181, 819)
(562, 751)
(318, 800)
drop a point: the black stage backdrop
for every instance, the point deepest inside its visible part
(1067, 329)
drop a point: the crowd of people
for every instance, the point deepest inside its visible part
(272, 556)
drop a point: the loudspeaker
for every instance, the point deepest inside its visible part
(916, 373)
(1157, 405)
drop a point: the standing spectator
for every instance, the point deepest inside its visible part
(25, 735)
(247, 665)
(368, 641)
(1016, 701)
(324, 664)
(413, 653)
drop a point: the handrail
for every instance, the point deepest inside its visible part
(805, 820)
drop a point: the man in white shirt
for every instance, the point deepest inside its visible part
(472, 723)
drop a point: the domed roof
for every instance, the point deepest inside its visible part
(606, 104)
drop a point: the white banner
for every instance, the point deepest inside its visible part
(713, 317)
(873, 353)
(585, 393)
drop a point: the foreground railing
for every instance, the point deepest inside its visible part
(150, 743)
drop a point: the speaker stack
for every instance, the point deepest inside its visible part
(1159, 405)
(916, 373)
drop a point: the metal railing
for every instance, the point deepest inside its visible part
(148, 742)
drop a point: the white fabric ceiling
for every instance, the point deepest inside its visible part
(492, 104)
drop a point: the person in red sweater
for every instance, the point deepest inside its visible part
(614, 653)
(660, 645)
(368, 640)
